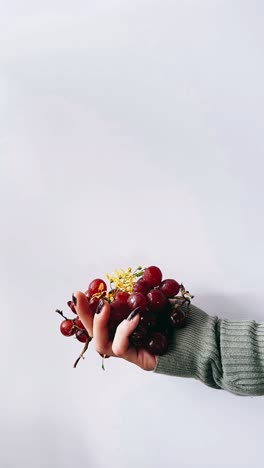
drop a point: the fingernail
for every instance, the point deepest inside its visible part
(100, 306)
(74, 299)
(133, 313)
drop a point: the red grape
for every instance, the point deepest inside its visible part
(142, 286)
(67, 327)
(153, 276)
(148, 319)
(162, 320)
(81, 336)
(119, 311)
(157, 300)
(97, 286)
(170, 287)
(93, 303)
(137, 300)
(138, 337)
(157, 344)
(119, 307)
(177, 318)
(79, 324)
(121, 296)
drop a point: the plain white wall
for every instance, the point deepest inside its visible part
(130, 133)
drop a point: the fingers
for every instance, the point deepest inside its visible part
(121, 343)
(102, 342)
(122, 348)
(97, 327)
(84, 312)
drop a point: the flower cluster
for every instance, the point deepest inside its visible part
(123, 280)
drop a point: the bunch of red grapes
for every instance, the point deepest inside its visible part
(158, 302)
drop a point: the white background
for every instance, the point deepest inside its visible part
(131, 133)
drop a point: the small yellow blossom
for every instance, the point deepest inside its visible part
(124, 280)
(120, 280)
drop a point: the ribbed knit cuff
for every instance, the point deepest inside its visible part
(193, 350)
(221, 353)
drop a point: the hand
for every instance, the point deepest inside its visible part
(120, 346)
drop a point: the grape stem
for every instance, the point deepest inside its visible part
(61, 313)
(185, 293)
(179, 301)
(83, 351)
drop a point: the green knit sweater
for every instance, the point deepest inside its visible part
(222, 354)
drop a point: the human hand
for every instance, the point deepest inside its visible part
(120, 347)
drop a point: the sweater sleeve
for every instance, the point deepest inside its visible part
(222, 354)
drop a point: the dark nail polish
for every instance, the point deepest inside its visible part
(100, 306)
(74, 299)
(133, 313)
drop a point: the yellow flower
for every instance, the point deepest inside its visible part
(123, 280)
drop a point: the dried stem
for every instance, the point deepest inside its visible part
(61, 313)
(83, 351)
(179, 301)
(103, 367)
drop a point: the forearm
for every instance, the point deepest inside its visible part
(223, 354)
